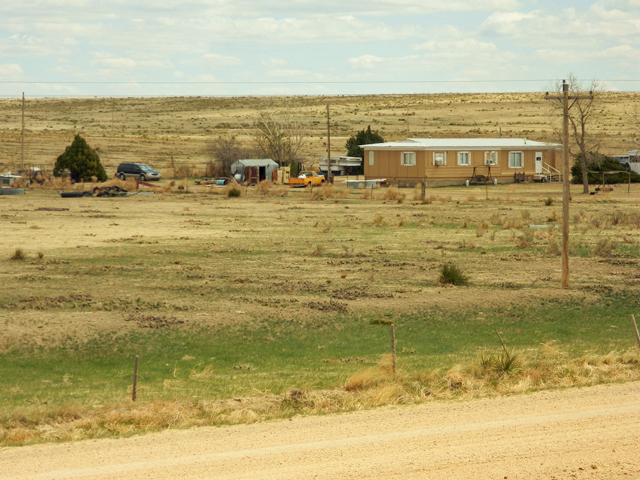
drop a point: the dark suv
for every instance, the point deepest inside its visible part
(141, 171)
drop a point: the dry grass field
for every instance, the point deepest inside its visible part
(297, 254)
(159, 130)
(277, 302)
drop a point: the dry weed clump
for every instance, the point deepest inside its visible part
(381, 373)
(367, 194)
(379, 221)
(524, 241)
(323, 192)
(553, 248)
(509, 224)
(605, 247)
(168, 188)
(264, 187)
(392, 193)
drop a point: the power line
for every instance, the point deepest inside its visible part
(290, 82)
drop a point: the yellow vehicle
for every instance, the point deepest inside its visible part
(305, 179)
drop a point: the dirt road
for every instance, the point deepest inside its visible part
(581, 433)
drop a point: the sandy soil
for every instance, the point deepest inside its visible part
(580, 433)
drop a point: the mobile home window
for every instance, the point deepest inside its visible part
(370, 159)
(408, 159)
(515, 160)
(439, 158)
(464, 159)
(491, 158)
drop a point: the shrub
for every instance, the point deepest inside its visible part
(19, 255)
(233, 192)
(548, 201)
(81, 161)
(451, 274)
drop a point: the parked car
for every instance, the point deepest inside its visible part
(140, 171)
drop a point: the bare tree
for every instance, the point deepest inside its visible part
(583, 114)
(224, 151)
(634, 134)
(280, 136)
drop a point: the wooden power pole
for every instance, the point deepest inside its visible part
(328, 147)
(22, 141)
(566, 191)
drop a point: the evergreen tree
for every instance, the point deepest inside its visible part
(363, 137)
(81, 160)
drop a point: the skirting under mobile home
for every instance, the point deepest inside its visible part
(453, 160)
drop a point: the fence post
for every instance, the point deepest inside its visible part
(503, 346)
(635, 328)
(135, 380)
(393, 349)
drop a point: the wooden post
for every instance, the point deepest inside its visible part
(22, 141)
(424, 189)
(329, 176)
(503, 346)
(135, 380)
(635, 328)
(393, 350)
(566, 192)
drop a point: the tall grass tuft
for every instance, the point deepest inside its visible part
(381, 373)
(452, 275)
(379, 221)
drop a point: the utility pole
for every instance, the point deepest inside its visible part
(22, 141)
(329, 179)
(566, 193)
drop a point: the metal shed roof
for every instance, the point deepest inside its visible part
(462, 143)
(257, 162)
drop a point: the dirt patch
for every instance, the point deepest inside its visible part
(153, 321)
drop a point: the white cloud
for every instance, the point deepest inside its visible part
(11, 71)
(568, 27)
(213, 60)
(274, 63)
(467, 46)
(366, 62)
(289, 73)
(20, 45)
(109, 61)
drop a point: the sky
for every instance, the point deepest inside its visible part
(296, 47)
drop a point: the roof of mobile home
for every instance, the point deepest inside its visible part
(463, 143)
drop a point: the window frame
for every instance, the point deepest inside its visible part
(468, 163)
(371, 159)
(404, 156)
(521, 154)
(444, 158)
(487, 157)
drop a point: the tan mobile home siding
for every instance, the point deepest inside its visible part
(387, 162)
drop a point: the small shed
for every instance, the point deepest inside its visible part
(253, 171)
